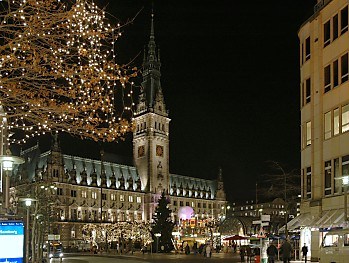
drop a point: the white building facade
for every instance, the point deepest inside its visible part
(324, 90)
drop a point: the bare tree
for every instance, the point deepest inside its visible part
(282, 183)
(58, 71)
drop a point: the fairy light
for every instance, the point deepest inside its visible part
(58, 71)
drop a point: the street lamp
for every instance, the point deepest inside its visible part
(157, 241)
(28, 202)
(7, 162)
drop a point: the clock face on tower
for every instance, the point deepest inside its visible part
(141, 151)
(159, 150)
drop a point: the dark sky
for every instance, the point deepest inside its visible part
(230, 77)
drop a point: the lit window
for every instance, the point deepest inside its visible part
(83, 194)
(122, 198)
(139, 200)
(308, 133)
(336, 121)
(94, 195)
(345, 118)
(112, 197)
(328, 125)
(130, 198)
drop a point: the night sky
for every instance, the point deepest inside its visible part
(230, 77)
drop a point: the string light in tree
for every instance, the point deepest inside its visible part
(58, 71)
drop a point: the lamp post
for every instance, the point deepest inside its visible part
(28, 202)
(7, 162)
(157, 241)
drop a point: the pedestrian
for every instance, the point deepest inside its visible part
(271, 252)
(187, 249)
(242, 254)
(208, 251)
(305, 252)
(286, 250)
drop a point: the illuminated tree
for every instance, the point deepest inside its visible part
(163, 224)
(58, 71)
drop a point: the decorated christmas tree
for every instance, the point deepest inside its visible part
(162, 225)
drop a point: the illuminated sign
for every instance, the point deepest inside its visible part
(11, 241)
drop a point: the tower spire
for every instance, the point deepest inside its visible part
(151, 97)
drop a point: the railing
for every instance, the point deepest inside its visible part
(320, 5)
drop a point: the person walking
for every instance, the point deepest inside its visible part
(305, 252)
(286, 250)
(242, 254)
(208, 251)
(271, 252)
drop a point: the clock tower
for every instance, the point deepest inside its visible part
(151, 134)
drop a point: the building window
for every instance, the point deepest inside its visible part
(55, 173)
(308, 185)
(335, 27)
(336, 121)
(112, 197)
(122, 198)
(337, 175)
(308, 133)
(328, 178)
(327, 78)
(94, 195)
(344, 68)
(204, 205)
(345, 165)
(104, 196)
(345, 118)
(73, 193)
(335, 73)
(59, 191)
(328, 125)
(180, 203)
(74, 214)
(327, 33)
(307, 48)
(307, 91)
(344, 20)
(130, 198)
(187, 203)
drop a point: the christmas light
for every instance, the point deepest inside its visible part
(58, 71)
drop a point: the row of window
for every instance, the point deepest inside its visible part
(192, 204)
(94, 195)
(335, 73)
(335, 26)
(336, 121)
(332, 78)
(334, 170)
(332, 29)
(157, 126)
(95, 215)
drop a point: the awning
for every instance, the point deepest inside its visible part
(297, 222)
(330, 218)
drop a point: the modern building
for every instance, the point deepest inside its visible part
(324, 90)
(101, 191)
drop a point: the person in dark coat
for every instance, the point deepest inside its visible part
(271, 252)
(305, 252)
(286, 250)
(242, 254)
